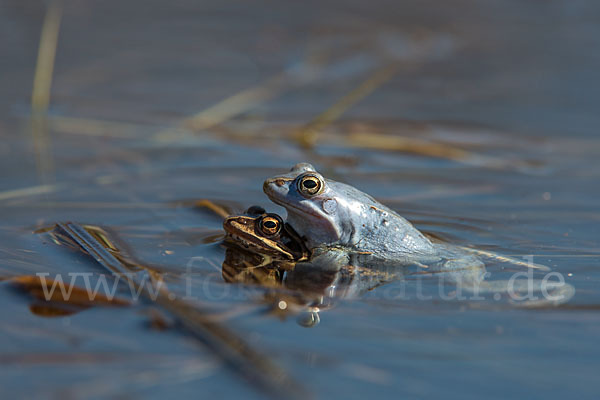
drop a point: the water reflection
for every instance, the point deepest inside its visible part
(307, 288)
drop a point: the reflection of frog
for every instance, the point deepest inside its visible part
(307, 287)
(335, 274)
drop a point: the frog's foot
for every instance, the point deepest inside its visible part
(468, 271)
(506, 259)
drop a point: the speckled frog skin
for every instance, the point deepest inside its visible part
(330, 213)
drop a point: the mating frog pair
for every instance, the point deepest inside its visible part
(325, 214)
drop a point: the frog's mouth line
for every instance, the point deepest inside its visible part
(289, 205)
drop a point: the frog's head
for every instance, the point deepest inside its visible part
(310, 202)
(264, 232)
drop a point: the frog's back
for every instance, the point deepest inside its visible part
(377, 229)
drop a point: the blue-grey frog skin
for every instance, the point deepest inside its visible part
(330, 213)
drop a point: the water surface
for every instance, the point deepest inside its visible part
(475, 120)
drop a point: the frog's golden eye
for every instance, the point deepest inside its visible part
(309, 185)
(270, 225)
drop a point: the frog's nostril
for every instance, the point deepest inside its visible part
(278, 181)
(272, 184)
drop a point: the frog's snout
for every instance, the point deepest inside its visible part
(273, 183)
(266, 186)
